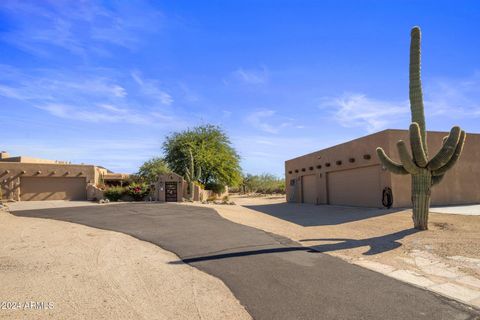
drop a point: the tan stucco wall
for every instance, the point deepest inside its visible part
(160, 186)
(11, 173)
(461, 184)
(355, 149)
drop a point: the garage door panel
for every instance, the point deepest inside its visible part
(309, 189)
(355, 187)
(52, 188)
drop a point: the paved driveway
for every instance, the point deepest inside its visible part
(272, 276)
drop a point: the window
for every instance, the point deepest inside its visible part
(367, 157)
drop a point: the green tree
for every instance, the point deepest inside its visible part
(151, 169)
(212, 153)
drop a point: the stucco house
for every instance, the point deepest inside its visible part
(351, 174)
(27, 179)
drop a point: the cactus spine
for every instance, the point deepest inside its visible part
(425, 173)
(192, 175)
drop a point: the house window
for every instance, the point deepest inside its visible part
(319, 167)
(303, 169)
(310, 168)
(367, 157)
(339, 162)
(351, 160)
(327, 164)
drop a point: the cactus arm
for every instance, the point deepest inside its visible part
(188, 176)
(437, 179)
(444, 140)
(405, 158)
(454, 158)
(447, 151)
(389, 164)
(418, 148)
(415, 86)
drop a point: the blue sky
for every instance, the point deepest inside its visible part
(104, 82)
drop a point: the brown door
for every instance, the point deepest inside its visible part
(52, 188)
(170, 191)
(309, 189)
(355, 187)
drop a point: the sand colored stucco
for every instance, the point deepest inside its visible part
(346, 165)
(11, 174)
(89, 273)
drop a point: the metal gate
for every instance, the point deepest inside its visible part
(171, 191)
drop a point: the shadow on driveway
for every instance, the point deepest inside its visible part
(309, 215)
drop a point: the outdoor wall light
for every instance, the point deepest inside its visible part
(367, 157)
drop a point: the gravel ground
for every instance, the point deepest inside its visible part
(89, 273)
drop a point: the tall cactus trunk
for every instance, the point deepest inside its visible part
(421, 184)
(415, 86)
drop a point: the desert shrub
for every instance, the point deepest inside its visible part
(138, 191)
(114, 193)
(217, 188)
(263, 183)
(212, 198)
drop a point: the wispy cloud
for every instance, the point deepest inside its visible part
(251, 76)
(358, 110)
(89, 96)
(152, 89)
(268, 121)
(454, 98)
(80, 27)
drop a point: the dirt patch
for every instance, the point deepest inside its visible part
(88, 273)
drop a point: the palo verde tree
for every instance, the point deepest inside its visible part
(425, 172)
(151, 169)
(212, 153)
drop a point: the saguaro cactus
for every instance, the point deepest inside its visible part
(425, 172)
(192, 175)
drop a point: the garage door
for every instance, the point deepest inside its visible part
(355, 187)
(309, 189)
(50, 188)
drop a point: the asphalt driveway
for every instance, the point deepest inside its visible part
(272, 276)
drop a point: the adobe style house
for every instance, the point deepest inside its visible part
(27, 179)
(350, 174)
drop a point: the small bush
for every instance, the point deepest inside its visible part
(114, 193)
(215, 187)
(212, 198)
(138, 191)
